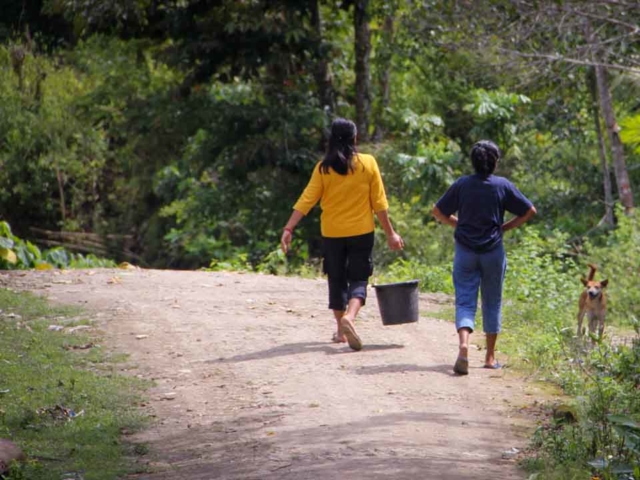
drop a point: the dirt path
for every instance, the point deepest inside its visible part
(249, 386)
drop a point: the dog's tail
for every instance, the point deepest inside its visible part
(592, 271)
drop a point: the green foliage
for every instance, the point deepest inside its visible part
(606, 436)
(231, 190)
(496, 117)
(423, 175)
(16, 253)
(630, 132)
(71, 131)
(63, 414)
(616, 258)
(427, 254)
(39, 123)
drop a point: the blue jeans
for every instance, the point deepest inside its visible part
(474, 271)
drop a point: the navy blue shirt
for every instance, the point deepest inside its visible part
(481, 202)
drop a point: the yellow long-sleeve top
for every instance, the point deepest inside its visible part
(348, 201)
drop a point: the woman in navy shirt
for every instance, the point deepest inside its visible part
(479, 263)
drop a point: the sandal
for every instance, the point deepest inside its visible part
(495, 366)
(461, 367)
(350, 332)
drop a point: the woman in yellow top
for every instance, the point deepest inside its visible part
(349, 188)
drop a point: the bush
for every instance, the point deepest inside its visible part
(230, 193)
(16, 253)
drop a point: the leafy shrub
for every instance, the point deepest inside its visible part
(230, 192)
(16, 253)
(51, 156)
(605, 436)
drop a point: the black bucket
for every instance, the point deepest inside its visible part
(398, 302)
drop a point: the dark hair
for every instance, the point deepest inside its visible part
(484, 157)
(342, 147)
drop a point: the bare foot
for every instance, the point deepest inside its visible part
(463, 352)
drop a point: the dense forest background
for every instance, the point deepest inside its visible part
(179, 133)
(190, 127)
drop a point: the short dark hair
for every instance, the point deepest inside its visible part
(484, 157)
(342, 147)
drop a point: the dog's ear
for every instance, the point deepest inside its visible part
(604, 282)
(584, 281)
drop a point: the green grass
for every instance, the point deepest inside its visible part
(39, 374)
(444, 313)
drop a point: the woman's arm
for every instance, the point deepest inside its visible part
(515, 222)
(394, 241)
(287, 232)
(442, 218)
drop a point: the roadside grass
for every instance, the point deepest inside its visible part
(65, 408)
(446, 313)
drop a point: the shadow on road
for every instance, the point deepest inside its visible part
(302, 348)
(403, 367)
(330, 452)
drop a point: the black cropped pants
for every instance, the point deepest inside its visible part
(348, 263)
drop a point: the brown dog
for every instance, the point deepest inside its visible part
(593, 302)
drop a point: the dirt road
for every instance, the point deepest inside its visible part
(249, 386)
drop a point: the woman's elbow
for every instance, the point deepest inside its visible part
(530, 213)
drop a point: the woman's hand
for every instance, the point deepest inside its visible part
(515, 222)
(394, 241)
(451, 220)
(285, 240)
(287, 231)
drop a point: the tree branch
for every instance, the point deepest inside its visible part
(560, 58)
(634, 28)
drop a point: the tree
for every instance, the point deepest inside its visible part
(602, 149)
(362, 67)
(617, 149)
(597, 34)
(20, 16)
(322, 70)
(383, 63)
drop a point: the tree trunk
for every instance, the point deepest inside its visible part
(63, 208)
(602, 150)
(363, 52)
(617, 149)
(322, 71)
(385, 66)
